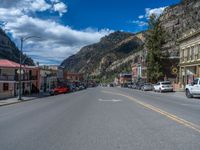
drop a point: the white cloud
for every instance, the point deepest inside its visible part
(40, 5)
(139, 23)
(60, 8)
(141, 16)
(57, 41)
(156, 11)
(55, 1)
(35, 5)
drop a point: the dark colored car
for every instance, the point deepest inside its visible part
(72, 87)
(139, 85)
(59, 90)
(124, 85)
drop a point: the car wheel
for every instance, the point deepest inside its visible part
(188, 94)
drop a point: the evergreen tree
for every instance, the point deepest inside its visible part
(155, 39)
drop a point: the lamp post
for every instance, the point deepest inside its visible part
(22, 39)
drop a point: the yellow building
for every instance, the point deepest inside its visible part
(189, 57)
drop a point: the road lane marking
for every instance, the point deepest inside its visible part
(109, 100)
(160, 111)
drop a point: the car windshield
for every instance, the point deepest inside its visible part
(166, 83)
(147, 84)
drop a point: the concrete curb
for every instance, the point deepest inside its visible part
(6, 104)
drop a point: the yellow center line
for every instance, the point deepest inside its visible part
(162, 112)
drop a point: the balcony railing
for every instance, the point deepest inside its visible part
(7, 78)
(16, 78)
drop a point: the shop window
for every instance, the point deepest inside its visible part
(182, 55)
(185, 54)
(188, 54)
(196, 52)
(199, 51)
(5, 86)
(192, 53)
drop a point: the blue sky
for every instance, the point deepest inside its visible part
(112, 14)
(67, 25)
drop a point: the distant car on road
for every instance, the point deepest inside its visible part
(124, 85)
(193, 89)
(72, 87)
(147, 87)
(139, 85)
(134, 86)
(59, 90)
(164, 86)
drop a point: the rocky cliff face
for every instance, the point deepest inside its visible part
(96, 58)
(8, 50)
(178, 19)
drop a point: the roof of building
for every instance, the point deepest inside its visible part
(11, 64)
(8, 63)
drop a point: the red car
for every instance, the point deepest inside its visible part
(59, 90)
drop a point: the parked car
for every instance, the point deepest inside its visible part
(72, 87)
(164, 86)
(59, 90)
(81, 87)
(193, 89)
(147, 87)
(124, 85)
(134, 86)
(130, 85)
(139, 85)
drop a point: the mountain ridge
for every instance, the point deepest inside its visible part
(8, 50)
(95, 58)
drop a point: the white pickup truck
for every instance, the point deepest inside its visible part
(193, 89)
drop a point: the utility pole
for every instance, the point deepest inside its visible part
(22, 39)
(20, 70)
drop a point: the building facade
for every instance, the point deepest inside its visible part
(139, 69)
(125, 78)
(48, 78)
(189, 57)
(116, 81)
(73, 77)
(9, 79)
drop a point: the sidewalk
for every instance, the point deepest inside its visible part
(15, 100)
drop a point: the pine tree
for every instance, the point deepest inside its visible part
(155, 39)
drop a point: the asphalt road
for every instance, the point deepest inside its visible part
(102, 119)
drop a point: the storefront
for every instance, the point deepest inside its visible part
(189, 57)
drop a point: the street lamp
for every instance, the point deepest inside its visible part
(22, 39)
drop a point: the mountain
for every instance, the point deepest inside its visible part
(8, 50)
(95, 59)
